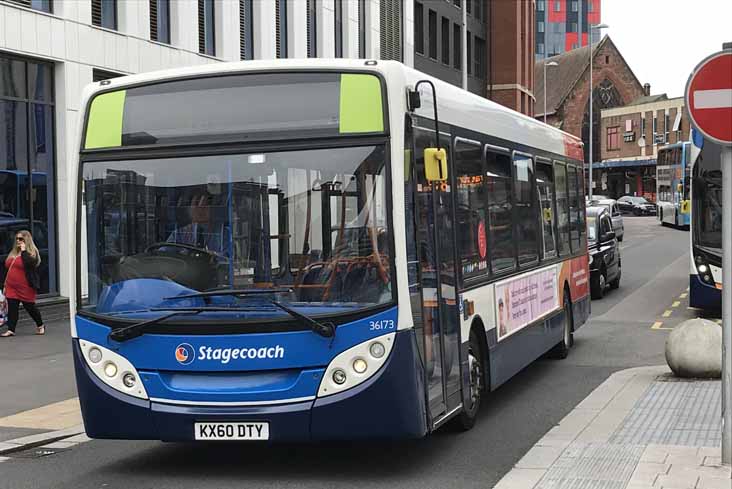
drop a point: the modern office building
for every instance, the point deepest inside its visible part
(563, 25)
(50, 49)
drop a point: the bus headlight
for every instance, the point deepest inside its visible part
(106, 365)
(356, 365)
(703, 269)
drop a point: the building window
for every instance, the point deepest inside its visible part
(480, 57)
(469, 57)
(99, 75)
(540, 5)
(575, 7)
(540, 48)
(540, 27)
(206, 36)
(666, 128)
(458, 3)
(312, 29)
(418, 28)
(445, 40)
(655, 128)
(281, 28)
(362, 29)
(338, 28)
(432, 34)
(557, 6)
(390, 27)
(27, 148)
(457, 46)
(160, 21)
(573, 27)
(607, 59)
(613, 138)
(42, 5)
(590, 6)
(643, 128)
(469, 6)
(246, 31)
(104, 13)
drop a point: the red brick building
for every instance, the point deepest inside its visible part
(511, 56)
(567, 88)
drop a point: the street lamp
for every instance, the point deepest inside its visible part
(598, 27)
(550, 63)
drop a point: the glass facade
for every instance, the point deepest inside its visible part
(27, 160)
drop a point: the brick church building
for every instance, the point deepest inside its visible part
(567, 103)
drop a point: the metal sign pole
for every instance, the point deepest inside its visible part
(726, 161)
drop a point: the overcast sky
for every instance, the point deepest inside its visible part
(663, 40)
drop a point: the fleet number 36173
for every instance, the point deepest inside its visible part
(382, 324)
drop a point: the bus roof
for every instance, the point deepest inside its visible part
(455, 105)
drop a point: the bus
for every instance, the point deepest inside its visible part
(280, 250)
(673, 176)
(705, 276)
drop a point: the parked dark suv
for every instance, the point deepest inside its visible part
(639, 206)
(604, 251)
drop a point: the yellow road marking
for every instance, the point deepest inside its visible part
(659, 325)
(666, 313)
(676, 304)
(56, 416)
(683, 296)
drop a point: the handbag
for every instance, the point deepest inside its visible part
(4, 300)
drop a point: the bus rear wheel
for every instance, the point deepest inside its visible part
(561, 350)
(466, 419)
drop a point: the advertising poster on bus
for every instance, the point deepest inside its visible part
(525, 299)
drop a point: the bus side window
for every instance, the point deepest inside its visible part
(526, 221)
(471, 213)
(547, 207)
(560, 174)
(500, 211)
(574, 208)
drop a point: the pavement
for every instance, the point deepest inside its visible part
(641, 429)
(45, 447)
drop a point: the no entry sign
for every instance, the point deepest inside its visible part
(709, 97)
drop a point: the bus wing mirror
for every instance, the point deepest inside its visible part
(680, 187)
(435, 164)
(685, 206)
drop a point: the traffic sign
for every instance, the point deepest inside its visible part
(709, 97)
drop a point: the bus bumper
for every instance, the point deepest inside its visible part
(388, 405)
(703, 296)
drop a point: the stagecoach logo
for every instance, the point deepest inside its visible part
(185, 354)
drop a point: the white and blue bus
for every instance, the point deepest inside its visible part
(279, 250)
(705, 276)
(673, 177)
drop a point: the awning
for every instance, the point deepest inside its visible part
(624, 163)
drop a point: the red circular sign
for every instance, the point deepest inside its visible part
(482, 243)
(709, 97)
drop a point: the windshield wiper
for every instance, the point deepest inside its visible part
(133, 331)
(326, 330)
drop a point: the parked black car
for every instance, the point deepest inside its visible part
(604, 251)
(639, 206)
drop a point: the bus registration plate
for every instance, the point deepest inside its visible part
(232, 431)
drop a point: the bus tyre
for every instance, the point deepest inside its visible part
(466, 419)
(598, 285)
(561, 350)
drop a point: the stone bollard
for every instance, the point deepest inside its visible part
(694, 349)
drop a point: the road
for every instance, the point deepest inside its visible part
(619, 335)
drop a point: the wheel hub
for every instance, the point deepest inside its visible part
(475, 377)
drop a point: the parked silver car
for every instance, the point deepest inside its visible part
(615, 214)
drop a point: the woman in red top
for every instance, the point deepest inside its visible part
(20, 281)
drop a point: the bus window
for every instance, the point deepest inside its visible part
(574, 208)
(471, 209)
(560, 173)
(545, 192)
(582, 213)
(526, 211)
(500, 206)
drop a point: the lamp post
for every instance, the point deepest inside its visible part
(550, 63)
(598, 27)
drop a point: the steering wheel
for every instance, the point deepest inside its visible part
(177, 245)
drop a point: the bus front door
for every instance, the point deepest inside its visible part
(440, 332)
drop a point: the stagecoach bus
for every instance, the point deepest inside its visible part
(278, 250)
(673, 184)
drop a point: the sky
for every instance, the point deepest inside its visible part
(663, 40)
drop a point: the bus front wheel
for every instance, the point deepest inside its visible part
(466, 419)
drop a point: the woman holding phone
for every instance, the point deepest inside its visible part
(20, 282)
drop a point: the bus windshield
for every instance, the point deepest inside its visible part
(707, 204)
(312, 223)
